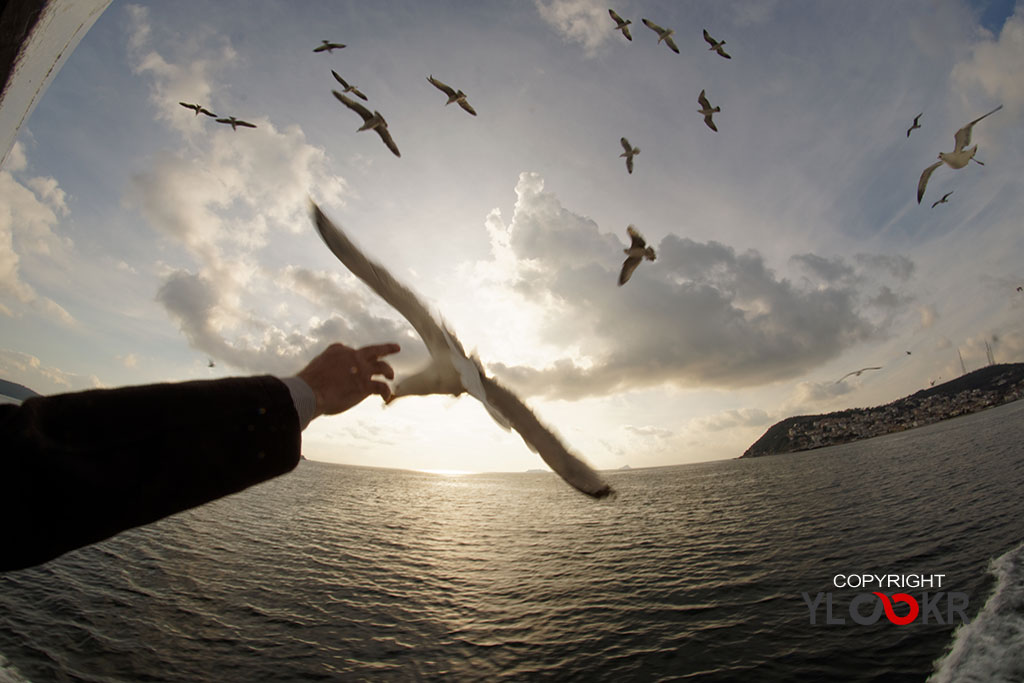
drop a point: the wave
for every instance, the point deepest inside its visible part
(990, 649)
(8, 674)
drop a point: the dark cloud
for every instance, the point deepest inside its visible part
(701, 314)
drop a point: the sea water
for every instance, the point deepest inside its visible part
(693, 572)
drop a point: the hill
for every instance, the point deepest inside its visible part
(984, 388)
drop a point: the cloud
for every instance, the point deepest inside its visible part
(994, 66)
(730, 419)
(227, 199)
(579, 21)
(29, 371)
(28, 221)
(702, 314)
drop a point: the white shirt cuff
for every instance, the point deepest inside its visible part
(303, 398)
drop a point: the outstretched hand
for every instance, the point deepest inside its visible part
(341, 377)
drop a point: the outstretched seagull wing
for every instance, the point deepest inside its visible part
(440, 342)
(543, 441)
(923, 182)
(963, 136)
(446, 89)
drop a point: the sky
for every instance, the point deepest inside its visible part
(139, 242)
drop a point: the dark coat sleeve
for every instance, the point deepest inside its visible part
(78, 468)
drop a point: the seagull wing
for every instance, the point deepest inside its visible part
(722, 52)
(638, 241)
(923, 182)
(671, 44)
(711, 124)
(353, 105)
(709, 40)
(321, 48)
(628, 266)
(239, 122)
(446, 89)
(654, 27)
(385, 135)
(619, 21)
(193, 107)
(963, 136)
(465, 105)
(400, 297)
(543, 441)
(629, 164)
(625, 145)
(703, 101)
(625, 32)
(204, 110)
(338, 78)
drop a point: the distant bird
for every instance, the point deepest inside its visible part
(234, 123)
(374, 121)
(857, 373)
(916, 124)
(347, 88)
(211, 363)
(716, 45)
(958, 158)
(451, 371)
(637, 252)
(198, 109)
(908, 353)
(630, 152)
(1020, 289)
(707, 111)
(621, 24)
(458, 97)
(944, 200)
(664, 34)
(327, 46)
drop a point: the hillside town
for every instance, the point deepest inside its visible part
(979, 390)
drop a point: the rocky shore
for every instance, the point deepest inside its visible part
(978, 390)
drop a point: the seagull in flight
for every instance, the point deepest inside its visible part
(637, 252)
(198, 109)
(234, 123)
(944, 199)
(327, 46)
(374, 121)
(451, 371)
(458, 97)
(707, 111)
(630, 152)
(663, 34)
(916, 124)
(621, 24)
(716, 45)
(958, 158)
(857, 373)
(347, 88)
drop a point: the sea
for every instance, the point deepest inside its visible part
(700, 572)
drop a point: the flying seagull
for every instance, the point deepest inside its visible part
(716, 45)
(198, 109)
(347, 88)
(458, 97)
(451, 371)
(916, 124)
(327, 46)
(663, 34)
(958, 158)
(944, 199)
(707, 111)
(637, 252)
(630, 152)
(857, 373)
(621, 24)
(374, 121)
(234, 123)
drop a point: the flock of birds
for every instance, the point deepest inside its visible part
(451, 370)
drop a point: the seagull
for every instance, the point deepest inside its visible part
(916, 124)
(637, 252)
(716, 45)
(328, 46)
(857, 373)
(348, 88)
(198, 109)
(944, 199)
(211, 363)
(707, 111)
(451, 371)
(234, 123)
(663, 34)
(958, 158)
(622, 24)
(374, 121)
(453, 96)
(630, 152)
